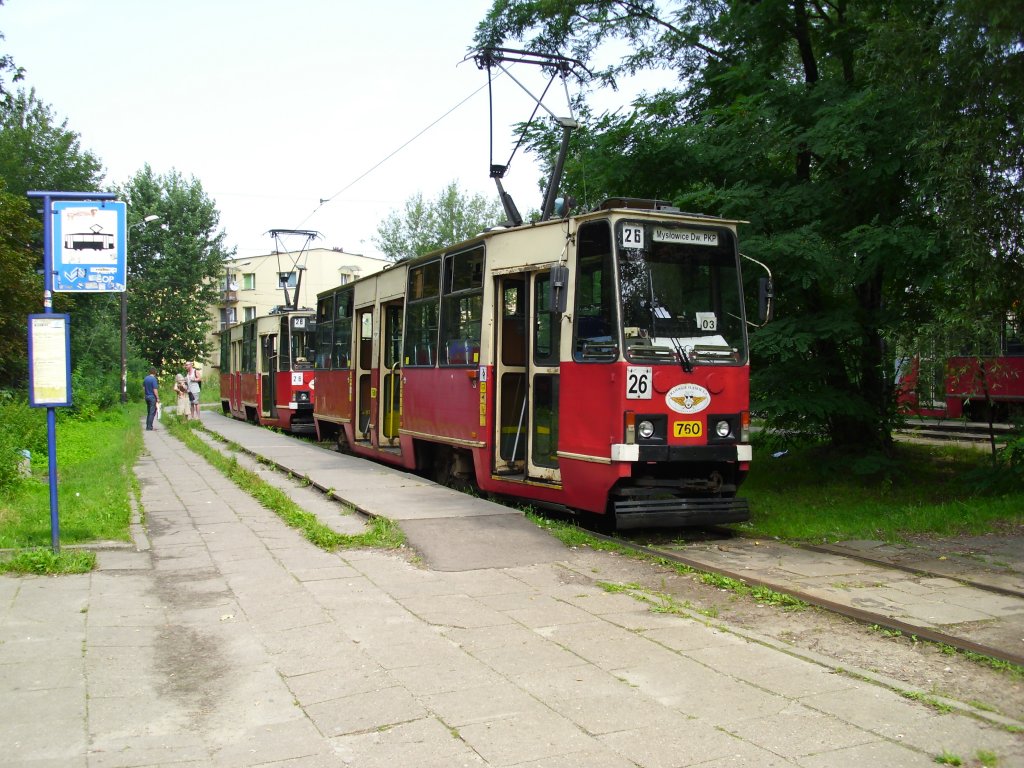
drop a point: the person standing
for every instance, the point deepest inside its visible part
(194, 380)
(151, 391)
(181, 390)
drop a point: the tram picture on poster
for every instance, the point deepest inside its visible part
(89, 236)
(88, 245)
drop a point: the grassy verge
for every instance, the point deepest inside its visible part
(382, 532)
(94, 482)
(812, 493)
(94, 486)
(46, 561)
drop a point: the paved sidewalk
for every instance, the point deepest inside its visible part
(234, 642)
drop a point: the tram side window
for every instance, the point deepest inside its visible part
(420, 346)
(225, 351)
(249, 348)
(548, 325)
(324, 331)
(595, 327)
(342, 354)
(462, 307)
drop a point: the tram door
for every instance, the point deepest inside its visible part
(268, 364)
(365, 393)
(526, 378)
(390, 401)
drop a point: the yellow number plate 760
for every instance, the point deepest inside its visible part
(687, 428)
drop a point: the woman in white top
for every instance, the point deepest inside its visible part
(193, 378)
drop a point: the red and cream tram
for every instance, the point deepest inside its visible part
(595, 363)
(267, 370)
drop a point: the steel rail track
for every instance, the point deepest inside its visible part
(858, 614)
(865, 558)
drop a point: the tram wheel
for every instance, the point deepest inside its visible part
(343, 446)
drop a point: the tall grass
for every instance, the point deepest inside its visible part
(813, 493)
(94, 481)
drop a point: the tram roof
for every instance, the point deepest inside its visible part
(629, 206)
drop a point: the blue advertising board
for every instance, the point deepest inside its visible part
(89, 246)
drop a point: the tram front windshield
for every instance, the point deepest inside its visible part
(681, 295)
(302, 345)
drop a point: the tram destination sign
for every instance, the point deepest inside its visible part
(685, 236)
(89, 248)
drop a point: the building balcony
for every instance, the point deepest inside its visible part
(229, 297)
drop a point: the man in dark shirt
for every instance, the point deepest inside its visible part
(151, 389)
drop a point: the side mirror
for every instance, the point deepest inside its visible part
(559, 286)
(765, 299)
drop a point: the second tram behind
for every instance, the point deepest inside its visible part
(596, 363)
(267, 370)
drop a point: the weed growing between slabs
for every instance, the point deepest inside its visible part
(574, 536)
(383, 533)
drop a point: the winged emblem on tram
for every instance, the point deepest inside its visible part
(688, 398)
(689, 402)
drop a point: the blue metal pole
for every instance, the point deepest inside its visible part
(51, 412)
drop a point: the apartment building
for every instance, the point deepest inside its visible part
(254, 285)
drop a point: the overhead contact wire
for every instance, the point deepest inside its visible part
(395, 152)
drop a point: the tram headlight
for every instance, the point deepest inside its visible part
(723, 428)
(645, 429)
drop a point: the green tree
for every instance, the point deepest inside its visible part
(7, 65)
(173, 267)
(424, 226)
(38, 151)
(23, 289)
(974, 145)
(822, 125)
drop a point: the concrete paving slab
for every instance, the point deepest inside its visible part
(480, 705)
(493, 541)
(44, 740)
(425, 743)
(689, 742)
(372, 710)
(290, 656)
(797, 732)
(876, 753)
(524, 737)
(111, 560)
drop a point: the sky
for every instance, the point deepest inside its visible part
(305, 114)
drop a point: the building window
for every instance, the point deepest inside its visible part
(248, 281)
(249, 313)
(228, 317)
(287, 279)
(230, 280)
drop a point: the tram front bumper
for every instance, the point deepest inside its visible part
(679, 512)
